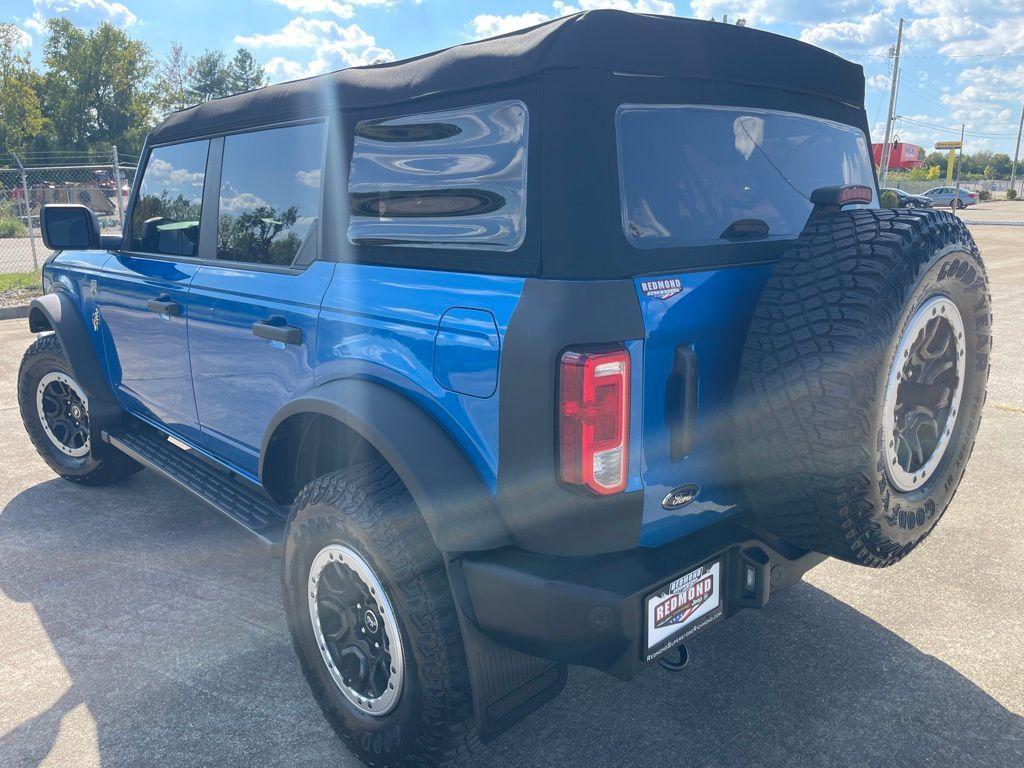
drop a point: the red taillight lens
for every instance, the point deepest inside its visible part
(593, 419)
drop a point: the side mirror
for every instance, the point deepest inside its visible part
(69, 227)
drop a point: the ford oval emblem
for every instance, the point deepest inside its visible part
(681, 496)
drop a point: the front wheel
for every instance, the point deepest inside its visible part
(373, 621)
(55, 412)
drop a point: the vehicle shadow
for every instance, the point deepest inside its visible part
(165, 622)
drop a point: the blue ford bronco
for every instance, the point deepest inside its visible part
(555, 348)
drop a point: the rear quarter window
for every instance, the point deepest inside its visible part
(688, 172)
(446, 179)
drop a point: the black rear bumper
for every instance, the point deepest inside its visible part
(590, 610)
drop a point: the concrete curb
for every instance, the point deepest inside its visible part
(14, 313)
(994, 223)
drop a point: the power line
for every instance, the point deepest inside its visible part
(976, 134)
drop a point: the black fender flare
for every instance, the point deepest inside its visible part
(58, 312)
(452, 496)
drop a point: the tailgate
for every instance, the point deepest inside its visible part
(696, 325)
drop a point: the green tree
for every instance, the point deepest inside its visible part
(209, 78)
(21, 116)
(172, 80)
(1001, 164)
(96, 88)
(245, 73)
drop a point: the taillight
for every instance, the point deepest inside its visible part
(593, 419)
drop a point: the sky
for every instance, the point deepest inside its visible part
(963, 60)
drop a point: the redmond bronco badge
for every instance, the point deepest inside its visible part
(683, 607)
(661, 289)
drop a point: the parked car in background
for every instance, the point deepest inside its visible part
(943, 197)
(907, 200)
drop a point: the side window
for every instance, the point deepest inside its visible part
(451, 179)
(270, 194)
(165, 218)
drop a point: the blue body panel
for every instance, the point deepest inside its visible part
(711, 313)
(147, 357)
(434, 336)
(241, 380)
(466, 352)
(381, 323)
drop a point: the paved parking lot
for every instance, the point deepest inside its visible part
(137, 628)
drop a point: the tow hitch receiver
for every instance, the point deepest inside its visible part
(622, 611)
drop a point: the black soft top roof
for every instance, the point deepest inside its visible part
(605, 40)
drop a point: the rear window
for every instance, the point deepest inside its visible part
(451, 179)
(687, 173)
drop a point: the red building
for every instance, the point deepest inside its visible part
(903, 156)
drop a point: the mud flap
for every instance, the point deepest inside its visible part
(507, 685)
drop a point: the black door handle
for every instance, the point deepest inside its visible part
(681, 402)
(164, 307)
(277, 330)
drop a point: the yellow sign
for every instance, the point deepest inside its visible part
(948, 144)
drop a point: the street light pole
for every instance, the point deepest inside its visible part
(886, 146)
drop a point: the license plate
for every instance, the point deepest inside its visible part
(683, 607)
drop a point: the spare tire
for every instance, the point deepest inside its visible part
(862, 382)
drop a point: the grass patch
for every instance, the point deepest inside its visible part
(19, 281)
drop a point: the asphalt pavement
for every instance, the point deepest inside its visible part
(138, 628)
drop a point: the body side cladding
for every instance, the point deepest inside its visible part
(542, 514)
(449, 492)
(58, 312)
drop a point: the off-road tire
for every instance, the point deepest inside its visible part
(99, 467)
(813, 377)
(368, 509)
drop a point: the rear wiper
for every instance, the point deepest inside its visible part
(746, 229)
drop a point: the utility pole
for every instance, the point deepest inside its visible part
(886, 147)
(955, 205)
(1016, 153)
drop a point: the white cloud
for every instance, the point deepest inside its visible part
(309, 178)
(636, 6)
(334, 47)
(85, 13)
(240, 202)
(308, 33)
(871, 33)
(779, 11)
(878, 82)
(178, 181)
(341, 10)
(489, 25)
(22, 38)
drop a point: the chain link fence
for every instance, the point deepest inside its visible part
(996, 186)
(24, 189)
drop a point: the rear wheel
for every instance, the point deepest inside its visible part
(863, 381)
(55, 412)
(373, 621)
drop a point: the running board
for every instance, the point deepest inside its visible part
(220, 488)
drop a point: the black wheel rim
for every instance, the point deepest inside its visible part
(64, 413)
(351, 623)
(356, 629)
(923, 393)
